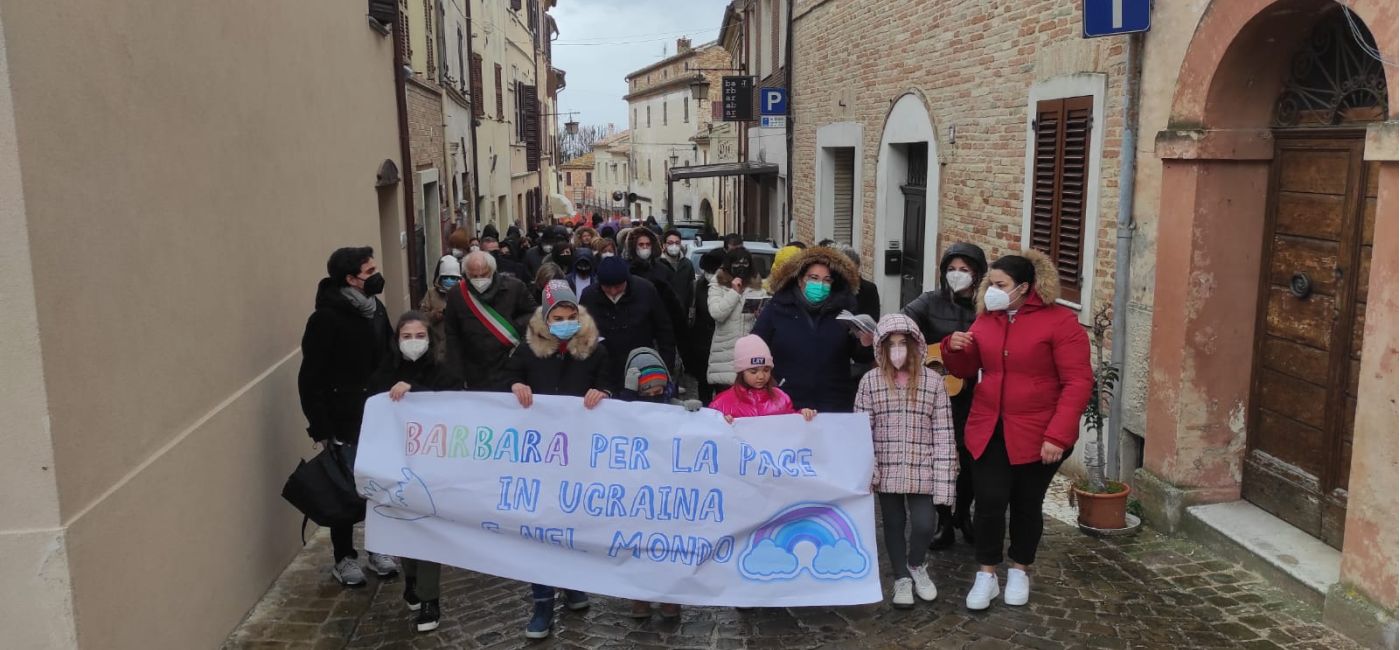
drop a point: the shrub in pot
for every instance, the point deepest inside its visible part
(1102, 503)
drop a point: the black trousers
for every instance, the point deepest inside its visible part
(1000, 486)
(343, 542)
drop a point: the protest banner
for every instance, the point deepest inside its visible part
(633, 500)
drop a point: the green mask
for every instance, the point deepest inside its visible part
(816, 292)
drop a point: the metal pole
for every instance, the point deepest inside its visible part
(1123, 253)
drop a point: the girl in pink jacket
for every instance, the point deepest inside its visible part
(753, 394)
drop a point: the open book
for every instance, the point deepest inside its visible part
(858, 322)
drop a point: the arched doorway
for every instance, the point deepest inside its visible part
(1263, 359)
(707, 213)
(1316, 262)
(906, 202)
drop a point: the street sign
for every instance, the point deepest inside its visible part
(772, 101)
(738, 99)
(1111, 17)
(773, 121)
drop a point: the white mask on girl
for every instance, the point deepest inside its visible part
(958, 280)
(898, 356)
(413, 349)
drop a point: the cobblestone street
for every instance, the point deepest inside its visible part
(1148, 591)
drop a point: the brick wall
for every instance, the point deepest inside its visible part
(974, 64)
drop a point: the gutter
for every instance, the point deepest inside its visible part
(406, 154)
(475, 167)
(787, 55)
(1123, 253)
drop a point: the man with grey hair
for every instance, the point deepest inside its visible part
(486, 317)
(868, 298)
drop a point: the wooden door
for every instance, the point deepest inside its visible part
(915, 190)
(1316, 266)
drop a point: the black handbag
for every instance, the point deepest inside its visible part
(323, 488)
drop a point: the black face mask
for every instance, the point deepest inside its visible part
(583, 269)
(741, 271)
(374, 284)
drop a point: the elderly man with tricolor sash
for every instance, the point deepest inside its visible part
(485, 319)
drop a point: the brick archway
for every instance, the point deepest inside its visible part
(1216, 158)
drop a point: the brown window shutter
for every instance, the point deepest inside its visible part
(478, 95)
(532, 128)
(500, 96)
(515, 5)
(1059, 188)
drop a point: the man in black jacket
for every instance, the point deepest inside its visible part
(629, 314)
(537, 256)
(345, 341)
(485, 319)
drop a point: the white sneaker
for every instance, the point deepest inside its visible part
(984, 590)
(1018, 587)
(903, 593)
(382, 565)
(923, 585)
(348, 572)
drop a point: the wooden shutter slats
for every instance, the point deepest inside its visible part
(478, 93)
(1061, 150)
(531, 118)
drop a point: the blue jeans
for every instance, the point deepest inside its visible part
(545, 593)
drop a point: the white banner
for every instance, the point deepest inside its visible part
(633, 500)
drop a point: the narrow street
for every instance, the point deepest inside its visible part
(1147, 591)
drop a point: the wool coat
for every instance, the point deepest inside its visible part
(551, 367)
(473, 352)
(340, 349)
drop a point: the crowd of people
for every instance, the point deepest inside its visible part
(973, 390)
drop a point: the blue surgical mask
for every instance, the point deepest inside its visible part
(451, 283)
(816, 292)
(564, 329)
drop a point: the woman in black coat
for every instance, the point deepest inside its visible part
(414, 366)
(560, 355)
(812, 350)
(951, 308)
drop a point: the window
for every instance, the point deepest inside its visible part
(685, 111)
(478, 95)
(648, 117)
(843, 193)
(664, 111)
(685, 210)
(588, 179)
(532, 129)
(634, 118)
(649, 177)
(500, 95)
(515, 5)
(568, 178)
(1059, 192)
(461, 61)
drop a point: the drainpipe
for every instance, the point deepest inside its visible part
(787, 56)
(1123, 254)
(401, 73)
(475, 167)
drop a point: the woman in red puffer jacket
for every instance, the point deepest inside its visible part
(1033, 358)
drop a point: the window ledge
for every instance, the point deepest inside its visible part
(1072, 305)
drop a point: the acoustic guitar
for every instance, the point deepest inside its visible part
(934, 360)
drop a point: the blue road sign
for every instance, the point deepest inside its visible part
(772, 101)
(1110, 17)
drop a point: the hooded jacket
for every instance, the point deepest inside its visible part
(941, 312)
(340, 350)
(572, 274)
(549, 369)
(473, 352)
(811, 349)
(678, 273)
(727, 308)
(640, 358)
(739, 401)
(915, 452)
(1036, 376)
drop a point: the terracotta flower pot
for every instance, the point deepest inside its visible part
(1103, 511)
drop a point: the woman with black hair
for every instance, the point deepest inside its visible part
(415, 367)
(951, 308)
(1033, 357)
(734, 301)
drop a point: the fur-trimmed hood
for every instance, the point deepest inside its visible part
(544, 344)
(1047, 280)
(845, 277)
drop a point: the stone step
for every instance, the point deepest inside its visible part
(1288, 557)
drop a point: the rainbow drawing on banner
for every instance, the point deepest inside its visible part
(772, 552)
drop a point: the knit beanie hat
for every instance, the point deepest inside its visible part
(448, 266)
(556, 293)
(751, 352)
(613, 271)
(645, 370)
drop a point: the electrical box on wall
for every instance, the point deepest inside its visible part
(894, 259)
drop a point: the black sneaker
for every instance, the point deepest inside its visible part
(428, 617)
(410, 594)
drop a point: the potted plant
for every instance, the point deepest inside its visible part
(1102, 503)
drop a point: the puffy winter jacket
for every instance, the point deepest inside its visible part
(1036, 376)
(941, 312)
(473, 352)
(732, 322)
(741, 402)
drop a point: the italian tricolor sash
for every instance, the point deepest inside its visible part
(495, 323)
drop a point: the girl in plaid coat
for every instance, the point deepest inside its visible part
(916, 459)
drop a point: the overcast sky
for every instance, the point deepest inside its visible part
(600, 41)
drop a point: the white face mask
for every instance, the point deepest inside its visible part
(606, 255)
(548, 248)
(413, 349)
(643, 253)
(481, 284)
(457, 253)
(898, 356)
(958, 280)
(996, 299)
(674, 250)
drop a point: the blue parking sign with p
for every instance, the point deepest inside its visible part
(772, 101)
(1110, 17)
